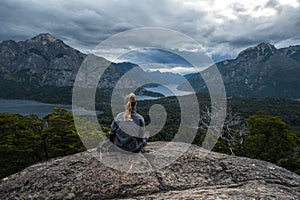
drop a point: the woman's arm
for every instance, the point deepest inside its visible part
(113, 130)
(144, 135)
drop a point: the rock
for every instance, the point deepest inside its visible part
(196, 174)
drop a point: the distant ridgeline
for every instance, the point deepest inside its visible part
(43, 68)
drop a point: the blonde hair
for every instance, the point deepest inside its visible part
(130, 103)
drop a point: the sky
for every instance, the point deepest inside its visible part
(223, 28)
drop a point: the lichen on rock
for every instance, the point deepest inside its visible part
(196, 174)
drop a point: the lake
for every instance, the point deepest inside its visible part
(167, 90)
(26, 107)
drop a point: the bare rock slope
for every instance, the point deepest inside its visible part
(191, 176)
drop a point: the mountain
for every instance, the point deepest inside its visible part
(44, 68)
(196, 174)
(46, 61)
(42, 60)
(187, 76)
(260, 71)
(166, 78)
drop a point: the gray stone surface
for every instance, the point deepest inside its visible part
(197, 174)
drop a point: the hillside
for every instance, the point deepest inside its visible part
(45, 66)
(260, 71)
(195, 175)
(42, 60)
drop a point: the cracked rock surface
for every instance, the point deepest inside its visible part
(196, 174)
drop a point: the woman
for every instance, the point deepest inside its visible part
(128, 128)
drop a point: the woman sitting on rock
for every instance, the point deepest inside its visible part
(128, 127)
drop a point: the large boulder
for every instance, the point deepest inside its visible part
(196, 174)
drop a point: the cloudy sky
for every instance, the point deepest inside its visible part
(222, 27)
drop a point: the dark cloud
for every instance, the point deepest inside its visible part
(223, 28)
(153, 56)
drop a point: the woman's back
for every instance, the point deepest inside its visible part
(128, 128)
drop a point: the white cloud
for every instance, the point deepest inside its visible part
(177, 70)
(293, 3)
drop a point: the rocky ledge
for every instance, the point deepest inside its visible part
(197, 174)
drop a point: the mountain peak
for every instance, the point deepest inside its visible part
(44, 37)
(265, 45)
(259, 51)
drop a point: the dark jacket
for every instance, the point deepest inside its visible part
(128, 135)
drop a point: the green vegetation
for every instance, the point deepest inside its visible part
(20, 142)
(59, 135)
(144, 92)
(10, 89)
(273, 137)
(268, 137)
(263, 137)
(25, 140)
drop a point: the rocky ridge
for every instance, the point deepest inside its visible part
(197, 174)
(260, 71)
(47, 61)
(42, 60)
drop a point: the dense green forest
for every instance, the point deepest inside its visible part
(25, 140)
(266, 129)
(273, 117)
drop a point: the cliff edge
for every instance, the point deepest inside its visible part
(191, 176)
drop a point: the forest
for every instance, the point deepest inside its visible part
(265, 129)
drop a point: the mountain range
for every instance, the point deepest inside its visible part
(44, 63)
(260, 71)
